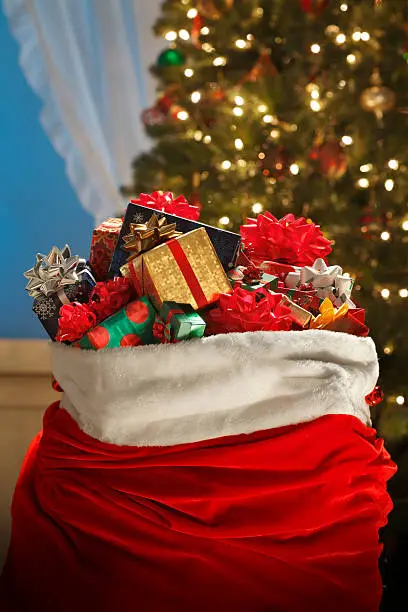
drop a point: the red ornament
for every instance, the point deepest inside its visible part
(331, 158)
(375, 397)
(196, 30)
(275, 161)
(314, 7)
(56, 386)
(153, 116)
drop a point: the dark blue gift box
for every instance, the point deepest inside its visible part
(226, 244)
(47, 307)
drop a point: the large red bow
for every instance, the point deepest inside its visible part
(288, 240)
(244, 311)
(164, 201)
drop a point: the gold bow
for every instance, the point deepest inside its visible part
(328, 315)
(145, 236)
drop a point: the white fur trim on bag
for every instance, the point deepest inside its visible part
(216, 386)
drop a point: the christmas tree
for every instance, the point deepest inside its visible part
(296, 106)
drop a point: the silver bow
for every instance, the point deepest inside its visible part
(328, 281)
(52, 272)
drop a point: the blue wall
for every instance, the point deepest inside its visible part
(38, 207)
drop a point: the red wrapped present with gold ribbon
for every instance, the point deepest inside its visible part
(185, 270)
(104, 239)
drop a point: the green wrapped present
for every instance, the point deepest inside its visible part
(238, 278)
(131, 326)
(180, 322)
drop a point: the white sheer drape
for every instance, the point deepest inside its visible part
(88, 61)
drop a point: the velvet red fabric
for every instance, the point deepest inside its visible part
(282, 520)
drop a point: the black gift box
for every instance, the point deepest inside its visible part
(47, 307)
(226, 244)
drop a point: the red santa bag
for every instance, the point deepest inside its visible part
(237, 472)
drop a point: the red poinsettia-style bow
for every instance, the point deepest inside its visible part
(287, 240)
(164, 201)
(244, 311)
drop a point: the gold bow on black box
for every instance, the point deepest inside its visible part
(145, 236)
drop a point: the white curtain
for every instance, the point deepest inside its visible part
(88, 61)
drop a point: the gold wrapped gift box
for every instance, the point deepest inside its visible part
(185, 270)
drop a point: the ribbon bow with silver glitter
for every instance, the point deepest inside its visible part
(52, 272)
(328, 281)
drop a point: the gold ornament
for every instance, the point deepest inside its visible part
(145, 236)
(210, 9)
(377, 99)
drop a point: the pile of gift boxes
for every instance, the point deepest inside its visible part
(160, 276)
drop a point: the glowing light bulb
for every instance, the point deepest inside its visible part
(315, 94)
(191, 13)
(240, 43)
(385, 293)
(294, 168)
(239, 145)
(224, 221)
(400, 399)
(351, 58)
(389, 185)
(170, 36)
(341, 84)
(207, 139)
(363, 183)
(393, 164)
(239, 100)
(385, 235)
(182, 115)
(366, 167)
(340, 39)
(315, 105)
(275, 134)
(195, 97)
(405, 226)
(388, 350)
(207, 47)
(315, 48)
(344, 7)
(226, 164)
(347, 140)
(237, 110)
(365, 36)
(356, 36)
(267, 118)
(198, 135)
(257, 208)
(242, 163)
(262, 108)
(250, 37)
(220, 61)
(188, 72)
(184, 35)
(403, 293)
(204, 31)
(261, 155)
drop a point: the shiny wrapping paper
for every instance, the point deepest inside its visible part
(226, 244)
(184, 323)
(298, 315)
(185, 270)
(131, 326)
(237, 277)
(104, 239)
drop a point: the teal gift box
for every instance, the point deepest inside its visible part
(130, 326)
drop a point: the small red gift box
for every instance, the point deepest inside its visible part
(104, 239)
